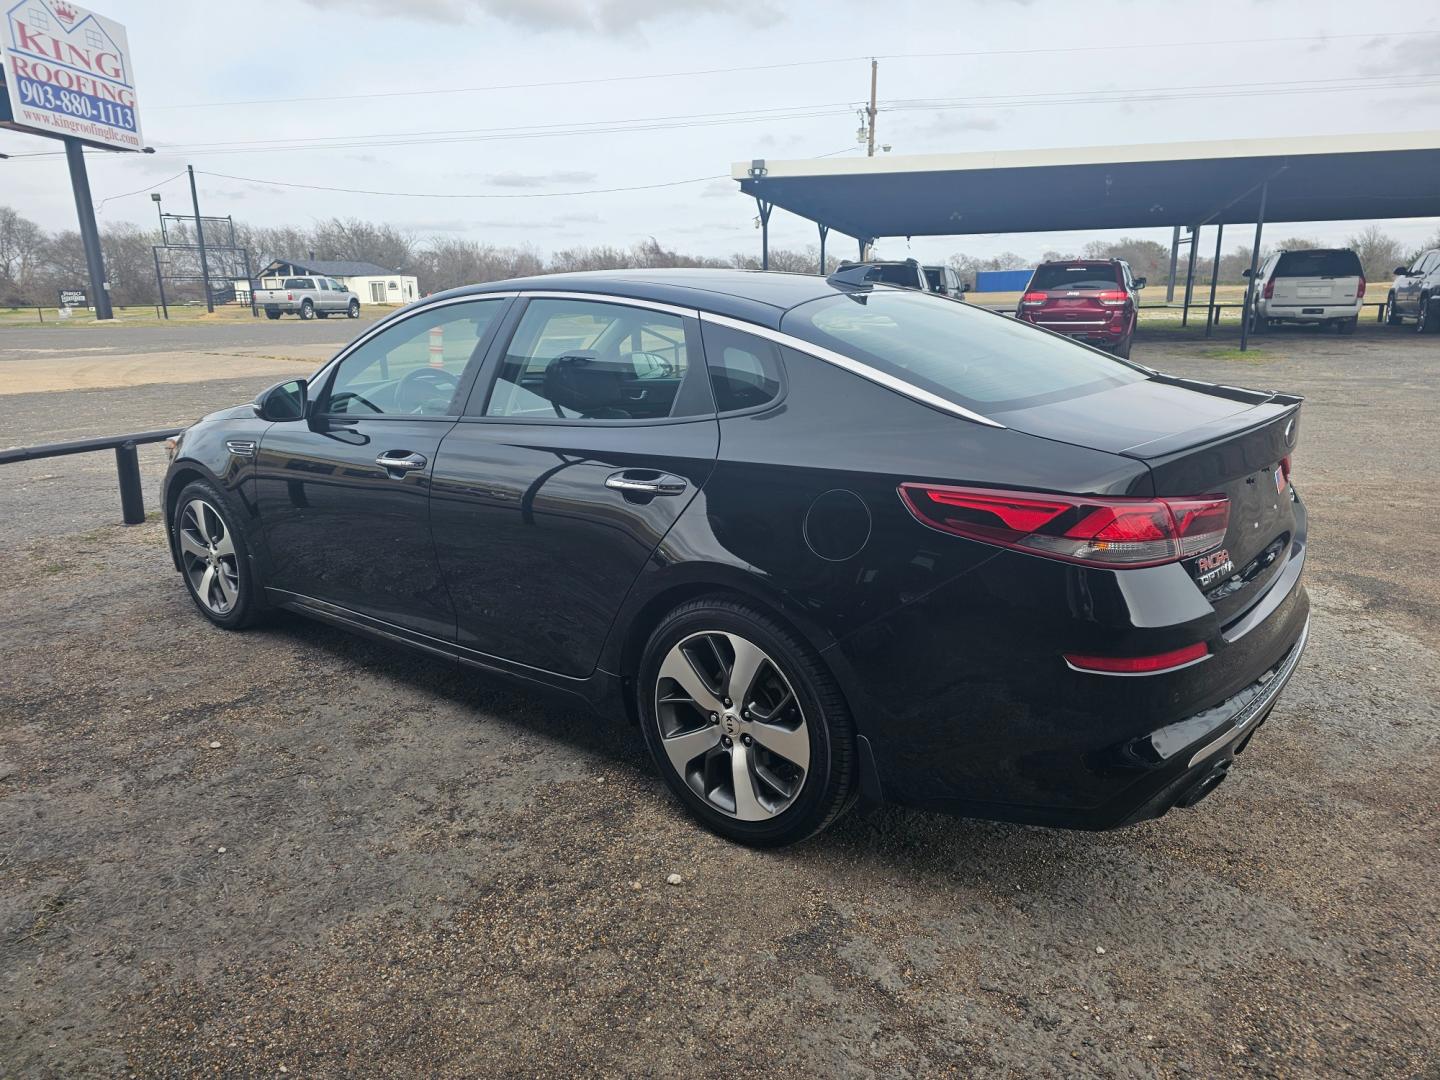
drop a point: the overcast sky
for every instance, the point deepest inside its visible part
(189, 55)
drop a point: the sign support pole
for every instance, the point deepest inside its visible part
(200, 239)
(89, 234)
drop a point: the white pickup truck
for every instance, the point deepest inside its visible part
(308, 297)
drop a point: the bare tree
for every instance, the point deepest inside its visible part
(1380, 253)
(22, 243)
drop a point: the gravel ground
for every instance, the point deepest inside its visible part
(390, 867)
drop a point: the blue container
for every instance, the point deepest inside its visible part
(1002, 280)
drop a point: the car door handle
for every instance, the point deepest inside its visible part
(400, 461)
(645, 482)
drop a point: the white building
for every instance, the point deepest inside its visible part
(373, 284)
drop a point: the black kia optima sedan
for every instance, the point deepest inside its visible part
(819, 540)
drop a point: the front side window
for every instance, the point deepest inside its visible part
(591, 360)
(972, 357)
(414, 367)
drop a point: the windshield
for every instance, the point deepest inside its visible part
(1318, 264)
(974, 358)
(1057, 276)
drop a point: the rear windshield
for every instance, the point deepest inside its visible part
(298, 283)
(975, 358)
(1318, 264)
(1059, 276)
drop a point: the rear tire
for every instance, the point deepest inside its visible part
(215, 558)
(1257, 324)
(1347, 326)
(271, 314)
(786, 734)
(1122, 349)
(307, 310)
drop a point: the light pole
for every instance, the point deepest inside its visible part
(159, 278)
(155, 198)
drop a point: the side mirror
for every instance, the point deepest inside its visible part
(965, 287)
(283, 401)
(1402, 271)
(1139, 282)
(1245, 272)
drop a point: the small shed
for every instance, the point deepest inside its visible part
(369, 281)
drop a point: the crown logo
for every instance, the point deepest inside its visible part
(65, 13)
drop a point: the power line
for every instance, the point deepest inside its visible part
(464, 195)
(100, 207)
(700, 72)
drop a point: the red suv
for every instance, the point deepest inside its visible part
(1090, 299)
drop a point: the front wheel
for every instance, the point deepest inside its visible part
(307, 310)
(746, 724)
(1428, 321)
(353, 311)
(323, 314)
(214, 557)
(1392, 317)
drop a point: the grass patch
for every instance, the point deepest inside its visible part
(1234, 353)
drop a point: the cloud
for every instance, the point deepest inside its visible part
(584, 16)
(943, 124)
(1408, 56)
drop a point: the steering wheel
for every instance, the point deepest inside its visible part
(423, 386)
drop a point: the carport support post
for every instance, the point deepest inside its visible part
(824, 232)
(1254, 265)
(1174, 261)
(765, 209)
(132, 498)
(250, 286)
(160, 282)
(1214, 279)
(1190, 274)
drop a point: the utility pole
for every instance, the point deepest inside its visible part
(870, 112)
(200, 239)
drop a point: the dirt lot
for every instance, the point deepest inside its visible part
(388, 867)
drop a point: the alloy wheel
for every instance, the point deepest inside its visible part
(208, 552)
(732, 726)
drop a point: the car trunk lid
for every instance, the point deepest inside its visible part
(1197, 439)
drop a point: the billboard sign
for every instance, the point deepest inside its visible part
(67, 73)
(73, 298)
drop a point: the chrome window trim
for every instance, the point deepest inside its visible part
(606, 298)
(855, 367)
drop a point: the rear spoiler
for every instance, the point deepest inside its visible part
(1269, 406)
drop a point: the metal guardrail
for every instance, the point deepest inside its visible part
(127, 462)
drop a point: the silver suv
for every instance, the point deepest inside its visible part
(1313, 285)
(1416, 294)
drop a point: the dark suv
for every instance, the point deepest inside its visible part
(1090, 299)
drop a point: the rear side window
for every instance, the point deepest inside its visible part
(1058, 276)
(905, 276)
(974, 358)
(744, 369)
(1318, 264)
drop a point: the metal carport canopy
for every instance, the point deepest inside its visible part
(1311, 178)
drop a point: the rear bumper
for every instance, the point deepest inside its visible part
(1087, 329)
(971, 709)
(1298, 312)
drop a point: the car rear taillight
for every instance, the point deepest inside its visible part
(1034, 299)
(1285, 468)
(1140, 665)
(1360, 292)
(1091, 530)
(1111, 298)
(1269, 291)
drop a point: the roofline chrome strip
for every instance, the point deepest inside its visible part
(855, 367)
(607, 298)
